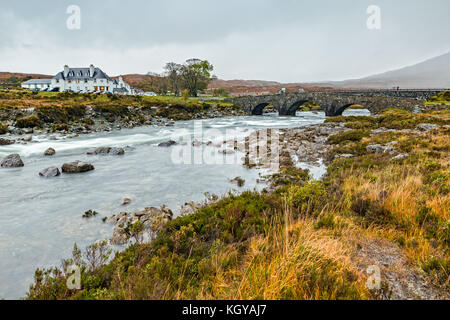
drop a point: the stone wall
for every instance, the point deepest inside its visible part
(334, 103)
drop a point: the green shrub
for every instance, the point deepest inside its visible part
(309, 198)
(28, 122)
(352, 135)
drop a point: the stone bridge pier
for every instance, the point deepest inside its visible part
(334, 103)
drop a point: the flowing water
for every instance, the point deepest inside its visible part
(41, 219)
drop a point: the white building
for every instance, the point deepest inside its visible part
(37, 84)
(90, 79)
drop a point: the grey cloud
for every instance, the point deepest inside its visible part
(287, 40)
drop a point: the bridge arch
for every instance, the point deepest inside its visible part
(341, 110)
(259, 109)
(291, 111)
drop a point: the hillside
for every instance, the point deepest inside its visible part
(432, 73)
(21, 76)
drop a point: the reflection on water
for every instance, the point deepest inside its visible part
(40, 219)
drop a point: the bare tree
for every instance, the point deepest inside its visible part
(173, 71)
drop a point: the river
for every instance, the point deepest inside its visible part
(41, 219)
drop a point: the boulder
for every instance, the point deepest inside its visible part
(379, 149)
(401, 156)
(126, 201)
(120, 236)
(190, 208)
(77, 167)
(117, 151)
(49, 152)
(12, 161)
(427, 127)
(101, 150)
(107, 150)
(238, 181)
(167, 144)
(50, 172)
(5, 142)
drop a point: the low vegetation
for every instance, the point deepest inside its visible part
(442, 98)
(302, 240)
(35, 109)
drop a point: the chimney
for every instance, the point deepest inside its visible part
(66, 71)
(91, 70)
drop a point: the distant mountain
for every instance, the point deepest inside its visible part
(218, 83)
(432, 73)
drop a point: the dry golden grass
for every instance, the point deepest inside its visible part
(311, 265)
(403, 192)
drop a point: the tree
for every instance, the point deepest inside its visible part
(173, 71)
(196, 75)
(12, 80)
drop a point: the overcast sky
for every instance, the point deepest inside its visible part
(281, 40)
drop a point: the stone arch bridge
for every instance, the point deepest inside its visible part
(335, 102)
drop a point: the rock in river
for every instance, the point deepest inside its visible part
(49, 152)
(50, 172)
(107, 150)
(12, 161)
(5, 142)
(167, 144)
(101, 150)
(77, 167)
(117, 151)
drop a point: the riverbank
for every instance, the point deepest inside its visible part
(24, 113)
(382, 205)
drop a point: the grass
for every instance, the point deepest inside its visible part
(404, 201)
(298, 242)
